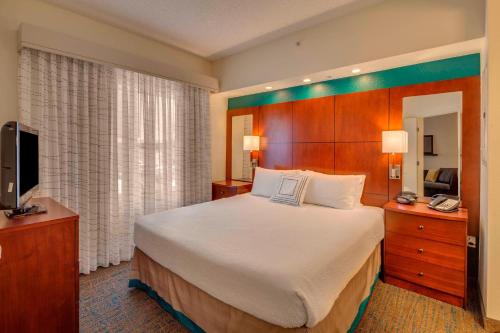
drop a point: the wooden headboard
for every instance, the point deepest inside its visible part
(335, 134)
(342, 135)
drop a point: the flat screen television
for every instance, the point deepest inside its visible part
(19, 167)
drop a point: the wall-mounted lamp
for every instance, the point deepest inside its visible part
(394, 142)
(252, 143)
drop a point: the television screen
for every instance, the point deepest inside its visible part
(19, 164)
(28, 161)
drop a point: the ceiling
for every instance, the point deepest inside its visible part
(212, 28)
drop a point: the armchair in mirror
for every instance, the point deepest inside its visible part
(433, 161)
(241, 160)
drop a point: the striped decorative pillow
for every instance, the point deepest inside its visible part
(291, 189)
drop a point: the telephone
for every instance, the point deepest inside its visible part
(444, 203)
(406, 197)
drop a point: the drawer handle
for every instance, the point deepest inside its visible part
(420, 251)
(421, 227)
(420, 274)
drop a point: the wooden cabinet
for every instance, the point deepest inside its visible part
(39, 271)
(229, 188)
(426, 251)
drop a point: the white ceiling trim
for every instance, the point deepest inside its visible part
(55, 42)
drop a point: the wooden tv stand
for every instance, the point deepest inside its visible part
(39, 271)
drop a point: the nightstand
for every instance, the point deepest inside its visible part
(228, 188)
(425, 251)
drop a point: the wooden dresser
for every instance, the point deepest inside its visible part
(227, 188)
(425, 251)
(39, 271)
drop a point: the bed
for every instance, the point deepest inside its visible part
(246, 264)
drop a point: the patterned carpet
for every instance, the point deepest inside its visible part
(108, 305)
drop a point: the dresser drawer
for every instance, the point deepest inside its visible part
(219, 192)
(438, 253)
(447, 231)
(426, 274)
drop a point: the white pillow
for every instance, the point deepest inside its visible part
(337, 191)
(267, 180)
(291, 189)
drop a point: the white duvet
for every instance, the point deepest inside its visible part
(283, 264)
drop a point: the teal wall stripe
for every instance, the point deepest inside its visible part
(439, 70)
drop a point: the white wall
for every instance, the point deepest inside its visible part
(410, 158)
(14, 12)
(483, 218)
(218, 112)
(445, 131)
(432, 105)
(390, 28)
(490, 247)
(238, 131)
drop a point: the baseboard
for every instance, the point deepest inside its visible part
(490, 325)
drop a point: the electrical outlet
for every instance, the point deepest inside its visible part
(471, 241)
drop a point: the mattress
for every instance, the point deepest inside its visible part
(285, 265)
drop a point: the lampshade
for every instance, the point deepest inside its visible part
(251, 142)
(394, 142)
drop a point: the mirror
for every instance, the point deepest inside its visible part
(241, 165)
(433, 162)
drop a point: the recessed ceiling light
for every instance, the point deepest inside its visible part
(269, 88)
(307, 80)
(356, 70)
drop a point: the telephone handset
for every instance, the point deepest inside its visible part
(444, 203)
(406, 197)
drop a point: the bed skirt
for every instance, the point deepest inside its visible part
(201, 312)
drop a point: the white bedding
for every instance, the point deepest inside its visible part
(283, 264)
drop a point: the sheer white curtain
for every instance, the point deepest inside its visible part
(114, 144)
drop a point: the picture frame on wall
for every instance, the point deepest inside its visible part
(429, 145)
